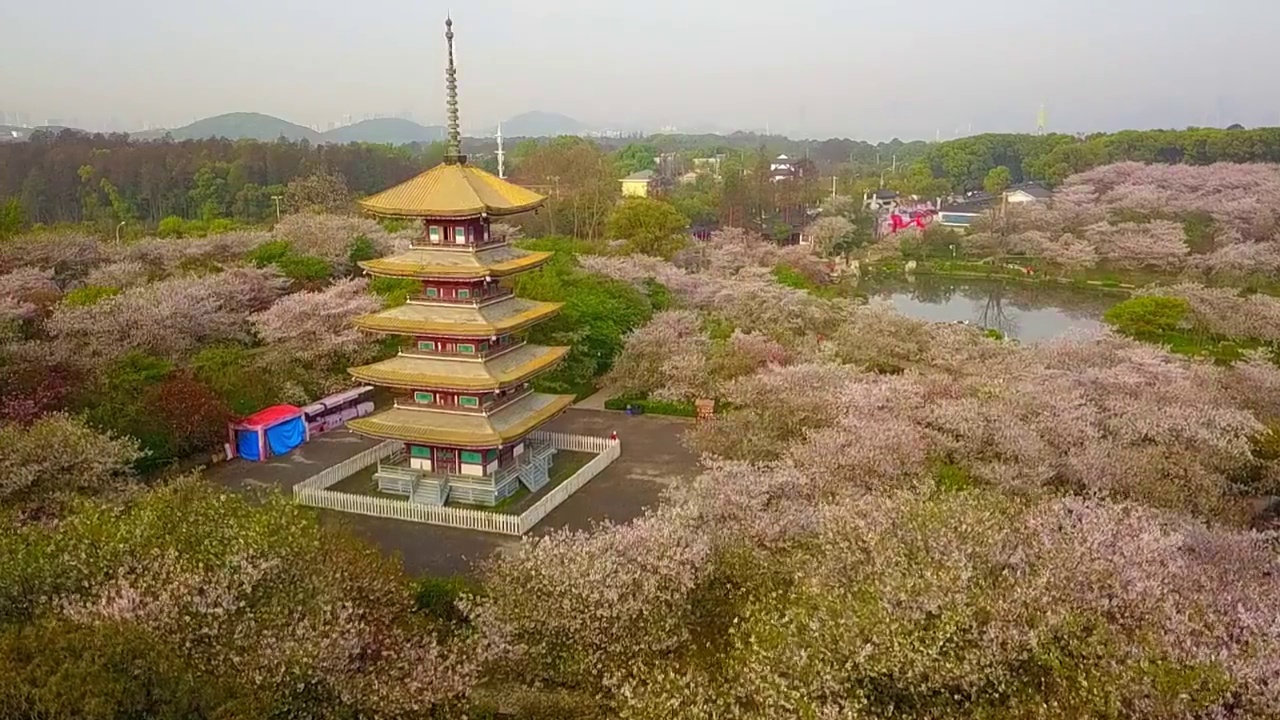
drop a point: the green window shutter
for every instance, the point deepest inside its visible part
(468, 401)
(434, 233)
(424, 397)
(491, 455)
(484, 346)
(464, 293)
(426, 345)
(471, 457)
(466, 348)
(432, 292)
(419, 451)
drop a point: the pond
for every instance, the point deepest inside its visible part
(1024, 311)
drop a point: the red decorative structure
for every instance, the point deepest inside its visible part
(915, 218)
(272, 431)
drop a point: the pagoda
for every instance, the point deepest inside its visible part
(464, 409)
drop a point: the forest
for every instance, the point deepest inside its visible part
(105, 180)
(963, 527)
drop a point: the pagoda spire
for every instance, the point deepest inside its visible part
(453, 153)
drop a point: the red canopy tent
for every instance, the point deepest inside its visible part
(271, 431)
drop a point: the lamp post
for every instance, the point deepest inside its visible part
(118, 231)
(277, 199)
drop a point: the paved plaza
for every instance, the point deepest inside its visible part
(652, 458)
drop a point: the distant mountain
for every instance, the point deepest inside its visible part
(241, 126)
(394, 131)
(542, 124)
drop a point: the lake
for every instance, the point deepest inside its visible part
(1024, 311)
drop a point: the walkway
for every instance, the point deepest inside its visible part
(595, 401)
(652, 459)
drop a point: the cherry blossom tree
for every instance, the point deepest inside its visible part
(57, 457)
(68, 254)
(171, 318)
(825, 232)
(1158, 245)
(331, 236)
(250, 608)
(26, 293)
(1227, 313)
(122, 274)
(666, 358)
(317, 325)
(162, 256)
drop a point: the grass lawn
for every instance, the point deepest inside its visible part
(563, 466)
(362, 483)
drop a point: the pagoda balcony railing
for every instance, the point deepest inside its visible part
(423, 242)
(492, 352)
(490, 407)
(498, 294)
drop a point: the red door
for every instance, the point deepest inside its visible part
(446, 461)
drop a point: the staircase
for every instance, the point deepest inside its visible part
(535, 471)
(430, 490)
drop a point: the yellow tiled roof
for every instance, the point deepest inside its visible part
(428, 373)
(463, 429)
(452, 191)
(456, 264)
(461, 321)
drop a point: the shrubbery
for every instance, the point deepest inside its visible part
(1148, 317)
(652, 407)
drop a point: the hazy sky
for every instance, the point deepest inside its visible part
(819, 68)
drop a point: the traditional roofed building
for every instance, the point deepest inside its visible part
(465, 408)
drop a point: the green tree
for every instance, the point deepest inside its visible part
(1148, 317)
(210, 195)
(253, 202)
(597, 315)
(89, 295)
(269, 253)
(395, 291)
(636, 157)
(997, 180)
(306, 270)
(649, 226)
(13, 218)
(170, 227)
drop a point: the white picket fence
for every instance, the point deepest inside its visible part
(315, 493)
(608, 450)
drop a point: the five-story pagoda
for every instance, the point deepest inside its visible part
(465, 409)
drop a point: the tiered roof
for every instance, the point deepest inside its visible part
(463, 429)
(459, 321)
(453, 373)
(456, 264)
(453, 190)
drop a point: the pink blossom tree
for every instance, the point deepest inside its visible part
(57, 457)
(317, 325)
(171, 318)
(253, 605)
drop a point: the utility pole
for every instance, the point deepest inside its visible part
(502, 156)
(833, 187)
(895, 163)
(277, 199)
